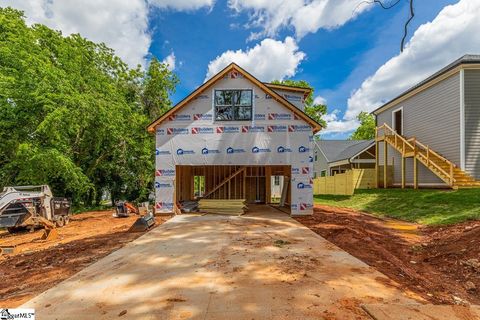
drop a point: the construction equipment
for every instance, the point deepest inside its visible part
(123, 209)
(32, 207)
(143, 223)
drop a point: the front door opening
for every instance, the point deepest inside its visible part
(398, 121)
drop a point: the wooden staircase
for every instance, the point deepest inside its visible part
(436, 163)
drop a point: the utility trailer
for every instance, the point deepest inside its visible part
(31, 207)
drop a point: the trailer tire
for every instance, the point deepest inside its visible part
(60, 222)
(12, 229)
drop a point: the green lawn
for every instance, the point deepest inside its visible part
(431, 207)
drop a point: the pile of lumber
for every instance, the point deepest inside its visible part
(189, 206)
(235, 207)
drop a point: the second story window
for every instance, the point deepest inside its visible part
(233, 105)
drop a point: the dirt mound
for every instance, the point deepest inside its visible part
(442, 264)
(40, 265)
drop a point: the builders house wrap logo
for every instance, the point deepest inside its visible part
(163, 185)
(165, 173)
(279, 116)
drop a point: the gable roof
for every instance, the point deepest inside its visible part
(315, 125)
(445, 72)
(278, 86)
(337, 150)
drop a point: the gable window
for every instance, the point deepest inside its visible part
(233, 105)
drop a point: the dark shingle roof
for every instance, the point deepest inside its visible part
(336, 150)
(466, 59)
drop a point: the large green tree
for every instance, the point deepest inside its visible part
(366, 130)
(314, 110)
(73, 115)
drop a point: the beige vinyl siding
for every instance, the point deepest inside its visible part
(433, 117)
(472, 122)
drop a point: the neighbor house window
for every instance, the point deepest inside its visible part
(233, 105)
(323, 173)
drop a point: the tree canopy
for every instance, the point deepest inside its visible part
(315, 111)
(366, 130)
(73, 114)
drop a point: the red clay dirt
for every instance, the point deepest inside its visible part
(39, 265)
(441, 264)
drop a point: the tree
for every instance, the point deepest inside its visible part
(313, 110)
(366, 130)
(158, 84)
(72, 114)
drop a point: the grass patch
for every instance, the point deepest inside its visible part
(431, 207)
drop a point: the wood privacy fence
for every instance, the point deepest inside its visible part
(346, 183)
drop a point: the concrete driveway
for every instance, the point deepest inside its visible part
(263, 265)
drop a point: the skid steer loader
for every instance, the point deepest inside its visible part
(32, 207)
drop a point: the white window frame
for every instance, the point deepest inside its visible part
(393, 119)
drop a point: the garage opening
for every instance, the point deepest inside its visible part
(256, 184)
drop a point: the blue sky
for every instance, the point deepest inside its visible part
(337, 60)
(348, 52)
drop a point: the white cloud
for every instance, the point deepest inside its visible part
(121, 24)
(305, 16)
(170, 61)
(453, 33)
(182, 5)
(320, 100)
(268, 60)
(336, 125)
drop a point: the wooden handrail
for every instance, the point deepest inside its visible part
(418, 149)
(385, 126)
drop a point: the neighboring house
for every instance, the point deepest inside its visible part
(440, 121)
(230, 139)
(337, 156)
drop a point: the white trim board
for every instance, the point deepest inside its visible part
(393, 119)
(462, 119)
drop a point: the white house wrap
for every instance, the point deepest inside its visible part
(276, 135)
